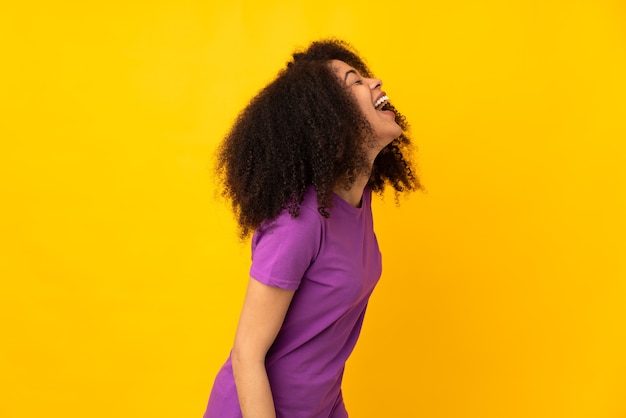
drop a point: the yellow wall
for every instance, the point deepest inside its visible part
(504, 286)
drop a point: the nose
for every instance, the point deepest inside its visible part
(375, 83)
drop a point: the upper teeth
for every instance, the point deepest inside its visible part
(381, 101)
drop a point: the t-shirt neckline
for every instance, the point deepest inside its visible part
(339, 201)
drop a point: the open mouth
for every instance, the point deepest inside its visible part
(382, 103)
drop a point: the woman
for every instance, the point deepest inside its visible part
(299, 166)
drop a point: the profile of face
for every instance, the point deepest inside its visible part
(371, 101)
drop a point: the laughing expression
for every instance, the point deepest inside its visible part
(372, 102)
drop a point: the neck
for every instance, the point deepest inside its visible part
(354, 194)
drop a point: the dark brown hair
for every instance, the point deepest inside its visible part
(305, 129)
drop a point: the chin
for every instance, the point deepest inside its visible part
(396, 135)
(387, 137)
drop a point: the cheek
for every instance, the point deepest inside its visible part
(365, 106)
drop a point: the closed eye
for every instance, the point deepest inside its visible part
(356, 74)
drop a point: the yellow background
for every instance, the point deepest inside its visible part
(504, 285)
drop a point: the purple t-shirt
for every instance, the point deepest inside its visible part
(333, 265)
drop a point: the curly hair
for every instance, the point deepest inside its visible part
(305, 129)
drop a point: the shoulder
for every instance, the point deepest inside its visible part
(308, 219)
(284, 248)
(288, 232)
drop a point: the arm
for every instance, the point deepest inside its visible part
(262, 315)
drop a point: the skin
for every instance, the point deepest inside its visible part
(262, 315)
(383, 123)
(265, 307)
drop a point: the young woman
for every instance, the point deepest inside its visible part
(299, 167)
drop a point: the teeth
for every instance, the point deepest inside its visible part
(381, 101)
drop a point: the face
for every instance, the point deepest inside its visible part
(371, 101)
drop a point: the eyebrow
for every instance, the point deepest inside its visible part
(345, 78)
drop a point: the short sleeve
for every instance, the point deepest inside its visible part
(283, 251)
